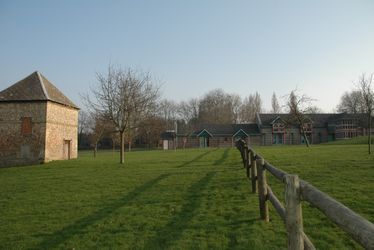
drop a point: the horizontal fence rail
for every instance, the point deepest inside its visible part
(296, 191)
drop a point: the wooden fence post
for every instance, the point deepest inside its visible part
(242, 151)
(262, 190)
(294, 218)
(253, 173)
(246, 156)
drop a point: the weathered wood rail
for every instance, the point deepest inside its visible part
(296, 191)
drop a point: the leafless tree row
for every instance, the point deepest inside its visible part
(125, 104)
(360, 101)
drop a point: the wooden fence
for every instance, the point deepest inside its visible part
(296, 190)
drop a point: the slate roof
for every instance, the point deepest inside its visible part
(228, 129)
(168, 135)
(35, 87)
(318, 120)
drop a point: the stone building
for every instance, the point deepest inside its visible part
(37, 123)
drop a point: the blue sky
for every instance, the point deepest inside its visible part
(320, 47)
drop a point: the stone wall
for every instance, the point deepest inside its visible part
(17, 148)
(62, 129)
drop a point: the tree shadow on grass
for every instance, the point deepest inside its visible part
(223, 157)
(67, 232)
(196, 158)
(173, 230)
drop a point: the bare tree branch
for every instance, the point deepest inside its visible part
(125, 97)
(367, 94)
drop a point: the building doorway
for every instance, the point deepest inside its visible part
(204, 142)
(67, 150)
(278, 138)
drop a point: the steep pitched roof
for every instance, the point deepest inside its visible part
(228, 129)
(240, 132)
(35, 87)
(204, 133)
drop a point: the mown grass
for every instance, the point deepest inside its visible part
(192, 199)
(345, 172)
(351, 141)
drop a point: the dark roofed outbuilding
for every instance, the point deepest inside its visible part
(216, 135)
(168, 135)
(227, 129)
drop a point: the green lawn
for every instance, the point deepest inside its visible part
(194, 199)
(355, 140)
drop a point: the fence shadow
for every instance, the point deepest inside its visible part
(223, 158)
(58, 237)
(172, 231)
(196, 158)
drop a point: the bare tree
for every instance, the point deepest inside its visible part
(115, 138)
(168, 111)
(235, 102)
(298, 106)
(351, 102)
(250, 107)
(83, 125)
(276, 109)
(367, 94)
(113, 134)
(188, 111)
(150, 130)
(99, 127)
(314, 110)
(216, 107)
(125, 96)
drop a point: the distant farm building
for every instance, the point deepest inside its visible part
(275, 129)
(168, 139)
(218, 135)
(37, 123)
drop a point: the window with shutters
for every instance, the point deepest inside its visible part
(278, 127)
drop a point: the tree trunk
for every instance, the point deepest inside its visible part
(95, 149)
(306, 139)
(299, 119)
(304, 134)
(122, 151)
(80, 140)
(113, 145)
(369, 137)
(130, 145)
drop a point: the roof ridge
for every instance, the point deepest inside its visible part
(42, 85)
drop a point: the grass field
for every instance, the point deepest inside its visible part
(353, 141)
(193, 199)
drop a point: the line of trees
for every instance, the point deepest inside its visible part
(125, 103)
(360, 100)
(125, 106)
